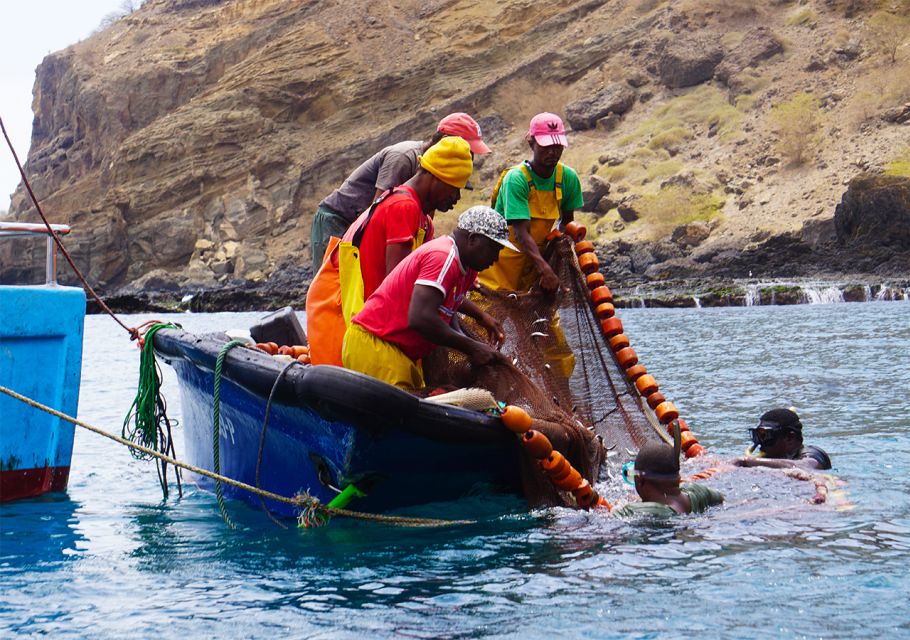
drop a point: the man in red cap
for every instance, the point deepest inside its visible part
(532, 197)
(389, 168)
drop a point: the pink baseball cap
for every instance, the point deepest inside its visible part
(464, 126)
(547, 129)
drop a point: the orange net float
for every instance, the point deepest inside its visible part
(634, 373)
(695, 450)
(584, 493)
(304, 358)
(686, 440)
(626, 357)
(576, 231)
(656, 399)
(619, 341)
(516, 419)
(595, 280)
(583, 247)
(601, 294)
(536, 444)
(682, 425)
(588, 263)
(666, 412)
(555, 233)
(605, 310)
(601, 503)
(646, 385)
(569, 481)
(611, 327)
(555, 464)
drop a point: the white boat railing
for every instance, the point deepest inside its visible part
(26, 229)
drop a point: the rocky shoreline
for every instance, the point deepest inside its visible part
(289, 287)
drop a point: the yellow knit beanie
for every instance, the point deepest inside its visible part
(449, 160)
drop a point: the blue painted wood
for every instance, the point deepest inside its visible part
(41, 329)
(401, 467)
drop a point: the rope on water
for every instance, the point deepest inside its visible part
(146, 422)
(303, 501)
(216, 425)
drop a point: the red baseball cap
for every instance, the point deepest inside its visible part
(464, 126)
(547, 129)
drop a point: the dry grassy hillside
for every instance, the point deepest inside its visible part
(191, 140)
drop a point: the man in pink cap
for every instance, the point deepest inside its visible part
(532, 197)
(390, 167)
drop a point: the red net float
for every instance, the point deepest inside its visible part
(583, 247)
(682, 425)
(536, 444)
(595, 280)
(600, 295)
(516, 419)
(619, 341)
(695, 450)
(634, 373)
(576, 231)
(605, 310)
(646, 385)
(626, 357)
(666, 412)
(686, 440)
(588, 263)
(569, 481)
(655, 399)
(555, 464)
(611, 327)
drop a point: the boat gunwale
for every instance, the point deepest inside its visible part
(382, 406)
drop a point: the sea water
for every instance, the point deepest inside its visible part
(112, 559)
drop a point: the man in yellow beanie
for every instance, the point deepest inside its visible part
(399, 221)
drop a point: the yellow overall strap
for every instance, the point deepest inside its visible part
(350, 277)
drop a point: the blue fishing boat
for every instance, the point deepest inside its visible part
(329, 428)
(41, 329)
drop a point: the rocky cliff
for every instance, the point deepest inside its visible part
(189, 142)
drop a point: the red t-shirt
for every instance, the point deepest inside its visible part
(399, 218)
(435, 264)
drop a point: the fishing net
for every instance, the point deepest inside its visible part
(562, 372)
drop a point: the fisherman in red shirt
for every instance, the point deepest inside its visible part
(414, 309)
(398, 222)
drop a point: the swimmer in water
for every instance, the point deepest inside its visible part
(779, 438)
(657, 481)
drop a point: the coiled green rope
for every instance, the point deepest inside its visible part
(141, 422)
(216, 425)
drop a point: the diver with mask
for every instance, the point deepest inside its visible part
(779, 439)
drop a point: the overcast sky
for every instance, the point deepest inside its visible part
(31, 30)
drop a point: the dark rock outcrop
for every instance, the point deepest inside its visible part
(875, 213)
(689, 61)
(757, 45)
(616, 98)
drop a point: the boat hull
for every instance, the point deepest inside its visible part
(329, 427)
(41, 330)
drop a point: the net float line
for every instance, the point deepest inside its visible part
(555, 465)
(626, 357)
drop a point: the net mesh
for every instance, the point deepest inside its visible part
(562, 372)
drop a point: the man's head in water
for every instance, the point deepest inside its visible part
(656, 472)
(779, 434)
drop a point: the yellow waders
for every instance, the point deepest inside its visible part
(514, 271)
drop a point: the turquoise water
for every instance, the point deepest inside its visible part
(111, 559)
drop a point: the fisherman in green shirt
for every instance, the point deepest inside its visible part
(657, 481)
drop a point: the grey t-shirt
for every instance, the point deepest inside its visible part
(388, 168)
